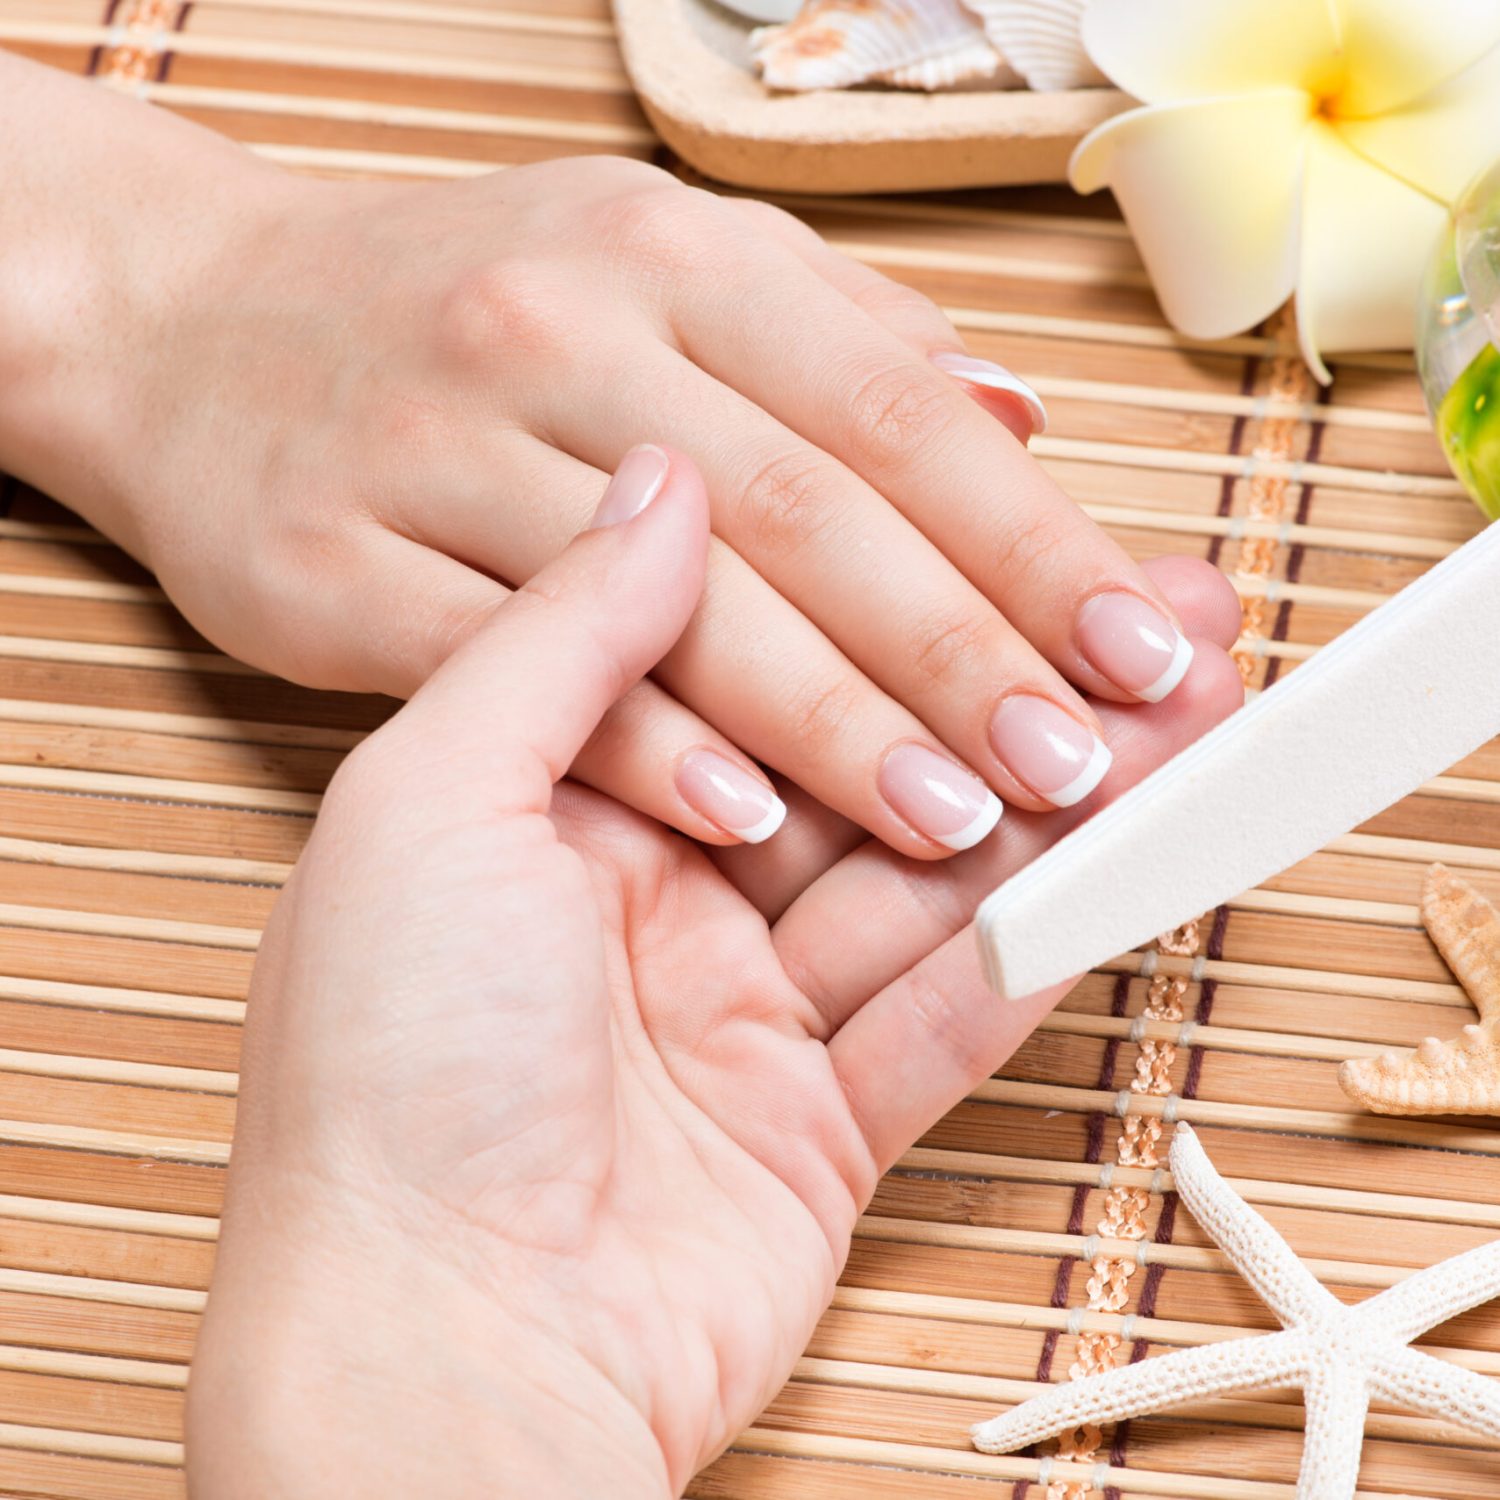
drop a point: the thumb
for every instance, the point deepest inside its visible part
(511, 709)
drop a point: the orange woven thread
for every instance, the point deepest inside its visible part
(1291, 382)
(130, 59)
(1127, 1209)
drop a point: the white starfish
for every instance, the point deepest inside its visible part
(1340, 1356)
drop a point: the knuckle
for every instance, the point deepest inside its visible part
(787, 504)
(575, 631)
(408, 421)
(776, 222)
(941, 1020)
(616, 173)
(663, 231)
(505, 308)
(820, 717)
(949, 643)
(885, 299)
(895, 414)
(942, 900)
(1021, 544)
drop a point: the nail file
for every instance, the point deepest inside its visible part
(1394, 701)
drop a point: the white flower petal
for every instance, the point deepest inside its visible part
(1210, 189)
(1182, 49)
(1366, 237)
(1398, 50)
(1444, 139)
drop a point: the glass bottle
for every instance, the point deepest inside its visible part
(1458, 340)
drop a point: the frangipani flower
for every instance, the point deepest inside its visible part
(1293, 145)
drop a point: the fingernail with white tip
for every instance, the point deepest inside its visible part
(1134, 645)
(988, 376)
(1047, 750)
(939, 798)
(730, 796)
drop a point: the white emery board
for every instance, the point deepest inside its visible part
(1394, 701)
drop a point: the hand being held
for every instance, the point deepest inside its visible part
(550, 1149)
(340, 420)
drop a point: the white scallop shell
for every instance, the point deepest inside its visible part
(833, 44)
(1041, 40)
(977, 62)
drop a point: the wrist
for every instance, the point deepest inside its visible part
(370, 1367)
(113, 212)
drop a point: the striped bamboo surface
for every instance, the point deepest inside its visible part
(154, 793)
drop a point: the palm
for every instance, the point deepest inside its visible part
(736, 1170)
(676, 1125)
(575, 1038)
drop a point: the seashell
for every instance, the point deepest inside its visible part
(1041, 39)
(977, 62)
(832, 44)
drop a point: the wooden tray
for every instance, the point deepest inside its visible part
(689, 62)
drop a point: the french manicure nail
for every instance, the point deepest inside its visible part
(1134, 645)
(989, 376)
(730, 796)
(636, 483)
(950, 805)
(1047, 749)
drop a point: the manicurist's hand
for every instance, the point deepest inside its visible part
(339, 420)
(549, 1148)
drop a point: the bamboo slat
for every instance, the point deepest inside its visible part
(155, 794)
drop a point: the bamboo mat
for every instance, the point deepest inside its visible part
(153, 795)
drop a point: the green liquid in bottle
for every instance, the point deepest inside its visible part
(1468, 423)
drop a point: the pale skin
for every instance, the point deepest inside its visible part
(340, 420)
(554, 1126)
(551, 1144)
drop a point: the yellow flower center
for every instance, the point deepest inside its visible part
(1329, 87)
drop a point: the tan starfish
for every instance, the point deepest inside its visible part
(1460, 1076)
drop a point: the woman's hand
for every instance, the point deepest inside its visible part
(549, 1149)
(340, 420)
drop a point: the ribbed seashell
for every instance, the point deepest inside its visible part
(833, 44)
(1041, 39)
(975, 62)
